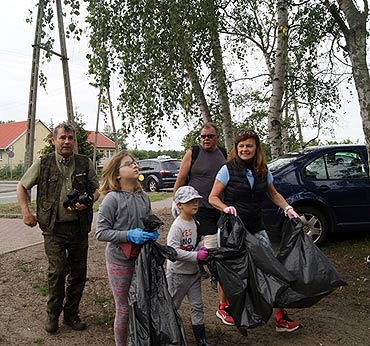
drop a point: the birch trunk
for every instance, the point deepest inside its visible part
(355, 34)
(275, 108)
(197, 88)
(219, 76)
(223, 97)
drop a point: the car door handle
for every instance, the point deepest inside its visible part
(324, 188)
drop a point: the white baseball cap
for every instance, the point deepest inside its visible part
(185, 194)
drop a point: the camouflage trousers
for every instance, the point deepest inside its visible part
(66, 250)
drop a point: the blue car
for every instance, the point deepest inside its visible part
(328, 186)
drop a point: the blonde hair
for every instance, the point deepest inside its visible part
(259, 161)
(109, 181)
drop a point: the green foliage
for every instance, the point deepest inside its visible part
(39, 341)
(151, 46)
(193, 137)
(40, 283)
(8, 172)
(23, 266)
(159, 196)
(48, 25)
(12, 210)
(121, 136)
(106, 316)
(312, 76)
(344, 141)
(152, 154)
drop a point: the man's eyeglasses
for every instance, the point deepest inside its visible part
(246, 132)
(128, 164)
(210, 136)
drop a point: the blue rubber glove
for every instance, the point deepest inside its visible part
(135, 236)
(138, 236)
(150, 236)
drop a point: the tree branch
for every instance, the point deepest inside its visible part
(337, 17)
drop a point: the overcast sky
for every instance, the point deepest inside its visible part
(16, 41)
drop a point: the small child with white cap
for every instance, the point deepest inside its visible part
(183, 276)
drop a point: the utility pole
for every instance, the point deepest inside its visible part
(112, 118)
(30, 135)
(97, 123)
(63, 54)
(37, 46)
(97, 128)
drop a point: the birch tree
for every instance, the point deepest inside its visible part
(278, 82)
(310, 89)
(352, 22)
(160, 50)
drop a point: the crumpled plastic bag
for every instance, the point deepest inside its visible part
(250, 275)
(315, 277)
(153, 317)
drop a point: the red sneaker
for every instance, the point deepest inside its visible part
(286, 325)
(225, 317)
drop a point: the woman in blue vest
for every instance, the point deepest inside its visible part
(243, 182)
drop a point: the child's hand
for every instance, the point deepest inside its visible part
(202, 254)
(150, 236)
(135, 236)
(138, 236)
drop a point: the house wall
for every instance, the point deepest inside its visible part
(41, 132)
(107, 154)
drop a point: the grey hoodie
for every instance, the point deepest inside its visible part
(119, 212)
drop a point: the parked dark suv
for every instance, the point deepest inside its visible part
(159, 173)
(327, 185)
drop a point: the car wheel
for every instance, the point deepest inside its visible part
(314, 224)
(152, 185)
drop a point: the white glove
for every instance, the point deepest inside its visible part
(230, 210)
(175, 210)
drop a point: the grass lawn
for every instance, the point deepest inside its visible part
(12, 210)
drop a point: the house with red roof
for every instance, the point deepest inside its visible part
(13, 141)
(104, 145)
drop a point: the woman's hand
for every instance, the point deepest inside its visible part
(230, 210)
(291, 213)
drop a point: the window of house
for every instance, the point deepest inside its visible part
(109, 153)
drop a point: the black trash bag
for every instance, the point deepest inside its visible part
(153, 317)
(315, 277)
(249, 274)
(152, 223)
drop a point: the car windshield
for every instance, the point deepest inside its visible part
(172, 165)
(282, 161)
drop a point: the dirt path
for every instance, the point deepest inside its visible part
(342, 319)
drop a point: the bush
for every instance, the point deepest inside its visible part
(11, 173)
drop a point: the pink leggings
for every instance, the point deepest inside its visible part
(119, 276)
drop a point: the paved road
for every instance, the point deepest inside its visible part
(15, 235)
(8, 192)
